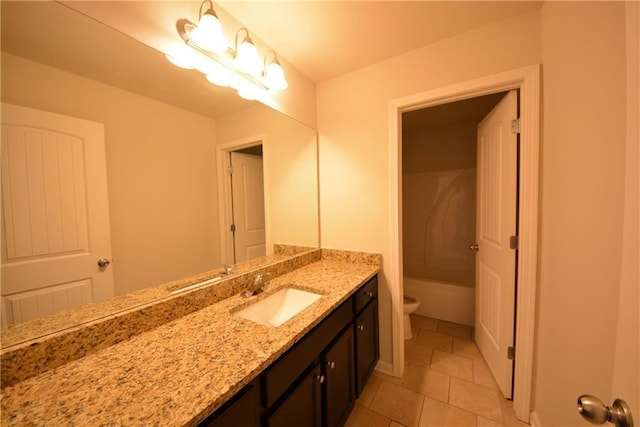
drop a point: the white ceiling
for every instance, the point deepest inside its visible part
(325, 39)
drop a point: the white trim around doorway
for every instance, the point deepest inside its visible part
(224, 192)
(527, 80)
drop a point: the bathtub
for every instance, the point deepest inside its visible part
(444, 301)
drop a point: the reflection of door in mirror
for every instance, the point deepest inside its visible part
(247, 205)
(55, 214)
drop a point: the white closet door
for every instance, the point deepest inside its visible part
(55, 214)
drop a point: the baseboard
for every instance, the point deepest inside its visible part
(534, 421)
(384, 367)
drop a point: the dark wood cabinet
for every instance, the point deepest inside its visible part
(243, 409)
(302, 407)
(366, 343)
(316, 382)
(339, 385)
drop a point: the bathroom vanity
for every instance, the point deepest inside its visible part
(315, 382)
(213, 367)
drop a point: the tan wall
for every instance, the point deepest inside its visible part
(353, 120)
(160, 171)
(290, 172)
(440, 148)
(582, 196)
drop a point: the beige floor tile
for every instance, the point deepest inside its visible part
(417, 354)
(426, 381)
(455, 330)
(452, 364)
(369, 390)
(387, 378)
(365, 417)
(508, 415)
(482, 375)
(435, 340)
(414, 334)
(483, 422)
(440, 414)
(466, 348)
(398, 403)
(424, 322)
(475, 398)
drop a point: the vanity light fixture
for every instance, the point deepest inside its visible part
(208, 33)
(239, 68)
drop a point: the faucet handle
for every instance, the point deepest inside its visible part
(227, 269)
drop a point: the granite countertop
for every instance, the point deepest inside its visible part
(178, 373)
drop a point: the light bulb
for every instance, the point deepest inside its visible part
(274, 77)
(247, 58)
(208, 34)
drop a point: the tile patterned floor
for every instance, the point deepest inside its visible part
(446, 383)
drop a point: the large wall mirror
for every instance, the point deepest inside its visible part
(165, 130)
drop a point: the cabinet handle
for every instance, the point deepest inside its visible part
(320, 379)
(361, 327)
(369, 294)
(331, 364)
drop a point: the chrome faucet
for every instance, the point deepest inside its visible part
(258, 285)
(227, 269)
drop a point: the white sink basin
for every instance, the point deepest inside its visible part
(279, 307)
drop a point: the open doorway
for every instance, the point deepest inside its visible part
(459, 192)
(439, 167)
(527, 81)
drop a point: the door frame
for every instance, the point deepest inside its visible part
(527, 81)
(224, 192)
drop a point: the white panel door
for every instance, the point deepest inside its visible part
(496, 222)
(55, 214)
(247, 182)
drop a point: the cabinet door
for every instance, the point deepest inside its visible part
(303, 406)
(340, 379)
(367, 352)
(242, 410)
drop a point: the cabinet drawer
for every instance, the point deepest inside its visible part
(291, 365)
(366, 293)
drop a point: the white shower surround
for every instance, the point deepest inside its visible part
(439, 224)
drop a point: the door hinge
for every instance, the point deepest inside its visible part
(233, 228)
(230, 170)
(515, 126)
(511, 353)
(513, 242)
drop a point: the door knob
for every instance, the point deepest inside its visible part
(595, 411)
(103, 262)
(474, 247)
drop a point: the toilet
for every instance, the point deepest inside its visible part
(410, 305)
